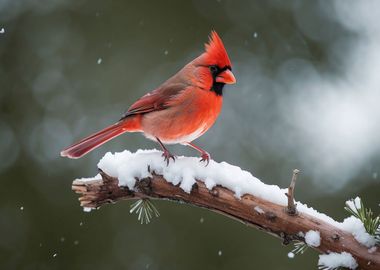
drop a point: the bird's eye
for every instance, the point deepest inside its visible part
(214, 70)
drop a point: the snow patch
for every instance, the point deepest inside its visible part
(372, 250)
(127, 166)
(335, 260)
(354, 204)
(313, 238)
(303, 208)
(259, 210)
(358, 203)
(290, 255)
(210, 183)
(356, 227)
(89, 179)
(301, 234)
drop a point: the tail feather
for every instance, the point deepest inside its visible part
(93, 141)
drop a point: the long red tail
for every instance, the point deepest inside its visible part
(95, 140)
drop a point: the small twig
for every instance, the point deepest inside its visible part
(292, 207)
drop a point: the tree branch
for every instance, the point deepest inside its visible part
(250, 210)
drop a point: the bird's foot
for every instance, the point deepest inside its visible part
(205, 157)
(167, 156)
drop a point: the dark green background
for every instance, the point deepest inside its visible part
(53, 91)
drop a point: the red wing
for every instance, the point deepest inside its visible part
(156, 100)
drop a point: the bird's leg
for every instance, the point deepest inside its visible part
(166, 154)
(204, 155)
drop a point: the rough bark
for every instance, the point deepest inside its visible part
(274, 219)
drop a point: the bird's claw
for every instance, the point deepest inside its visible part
(205, 157)
(167, 156)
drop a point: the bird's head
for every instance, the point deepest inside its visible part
(213, 67)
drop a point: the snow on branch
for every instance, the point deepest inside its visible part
(231, 191)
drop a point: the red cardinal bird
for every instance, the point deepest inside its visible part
(179, 111)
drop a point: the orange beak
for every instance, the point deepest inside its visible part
(226, 77)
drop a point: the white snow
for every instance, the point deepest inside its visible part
(220, 253)
(356, 227)
(259, 210)
(354, 204)
(313, 238)
(357, 202)
(301, 234)
(128, 167)
(100, 60)
(290, 255)
(372, 249)
(303, 208)
(87, 209)
(22, 208)
(2, 30)
(89, 179)
(335, 260)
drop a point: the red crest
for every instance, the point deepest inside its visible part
(216, 53)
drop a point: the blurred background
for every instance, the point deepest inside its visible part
(307, 97)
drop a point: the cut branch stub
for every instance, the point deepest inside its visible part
(248, 209)
(292, 207)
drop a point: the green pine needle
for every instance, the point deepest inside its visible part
(322, 267)
(377, 236)
(371, 223)
(145, 210)
(299, 247)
